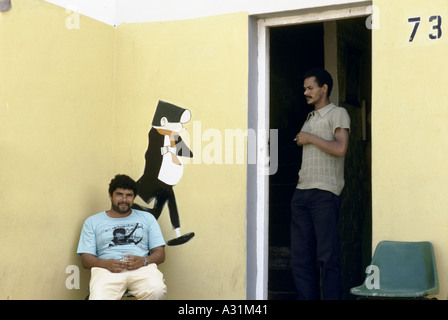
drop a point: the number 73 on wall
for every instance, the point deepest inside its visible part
(436, 23)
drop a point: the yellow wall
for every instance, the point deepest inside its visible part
(56, 143)
(200, 65)
(75, 109)
(409, 131)
(76, 106)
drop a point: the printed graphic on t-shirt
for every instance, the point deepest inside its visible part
(125, 234)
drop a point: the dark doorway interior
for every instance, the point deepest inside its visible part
(294, 50)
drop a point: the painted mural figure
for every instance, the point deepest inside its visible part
(164, 166)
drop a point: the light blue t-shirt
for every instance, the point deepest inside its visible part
(111, 238)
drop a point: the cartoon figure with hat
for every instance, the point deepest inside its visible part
(164, 166)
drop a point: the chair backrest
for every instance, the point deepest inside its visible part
(406, 268)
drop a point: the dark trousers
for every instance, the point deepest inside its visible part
(315, 252)
(162, 194)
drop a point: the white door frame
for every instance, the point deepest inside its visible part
(258, 270)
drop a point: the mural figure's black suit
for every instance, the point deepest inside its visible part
(149, 186)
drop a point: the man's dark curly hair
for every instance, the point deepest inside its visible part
(322, 77)
(122, 181)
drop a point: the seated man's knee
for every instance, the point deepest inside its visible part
(159, 291)
(155, 290)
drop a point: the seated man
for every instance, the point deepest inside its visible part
(115, 244)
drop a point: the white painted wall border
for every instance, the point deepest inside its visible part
(259, 291)
(115, 12)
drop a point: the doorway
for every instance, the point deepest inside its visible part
(343, 47)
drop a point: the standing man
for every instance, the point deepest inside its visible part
(316, 200)
(115, 244)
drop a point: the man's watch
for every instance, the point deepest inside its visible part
(146, 262)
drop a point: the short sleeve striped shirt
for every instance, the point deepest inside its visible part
(321, 170)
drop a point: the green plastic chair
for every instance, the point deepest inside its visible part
(403, 270)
